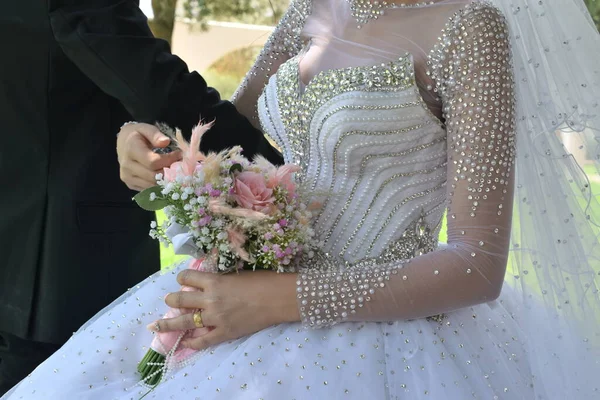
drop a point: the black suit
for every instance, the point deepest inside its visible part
(72, 72)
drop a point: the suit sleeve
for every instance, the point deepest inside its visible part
(111, 42)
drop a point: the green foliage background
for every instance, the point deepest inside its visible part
(594, 7)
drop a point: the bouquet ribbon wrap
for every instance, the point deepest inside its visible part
(164, 342)
(163, 348)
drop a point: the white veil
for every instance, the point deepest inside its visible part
(555, 251)
(555, 248)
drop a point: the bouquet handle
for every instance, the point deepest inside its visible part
(164, 347)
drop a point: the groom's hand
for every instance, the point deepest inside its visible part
(139, 164)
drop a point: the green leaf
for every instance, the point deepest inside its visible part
(235, 167)
(143, 199)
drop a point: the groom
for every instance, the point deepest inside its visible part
(72, 73)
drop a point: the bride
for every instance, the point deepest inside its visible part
(398, 112)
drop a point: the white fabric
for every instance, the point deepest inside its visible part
(182, 241)
(377, 361)
(537, 340)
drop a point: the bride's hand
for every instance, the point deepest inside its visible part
(234, 305)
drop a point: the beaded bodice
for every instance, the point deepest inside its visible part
(371, 152)
(359, 110)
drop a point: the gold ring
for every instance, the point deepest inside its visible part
(198, 319)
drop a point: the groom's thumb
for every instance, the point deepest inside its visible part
(154, 136)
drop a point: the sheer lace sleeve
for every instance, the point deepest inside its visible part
(285, 42)
(472, 69)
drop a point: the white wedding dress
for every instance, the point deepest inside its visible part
(361, 111)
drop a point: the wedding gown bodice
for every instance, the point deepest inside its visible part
(371, 153)
(357, 111)
(359, 107)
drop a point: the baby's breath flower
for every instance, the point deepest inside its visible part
(274, 243)
(222, 235)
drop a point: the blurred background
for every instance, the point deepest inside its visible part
(221, 38)
(229, 32)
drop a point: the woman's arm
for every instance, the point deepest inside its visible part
(474, 77)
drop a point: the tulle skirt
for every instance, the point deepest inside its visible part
(479, 352)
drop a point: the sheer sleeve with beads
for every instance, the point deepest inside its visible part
(471, 66)
(284, 43)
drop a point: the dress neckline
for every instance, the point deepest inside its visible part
(372, 76)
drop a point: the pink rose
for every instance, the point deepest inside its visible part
(251, 191)
(282, 176)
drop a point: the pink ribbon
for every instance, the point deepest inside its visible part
(164, 342)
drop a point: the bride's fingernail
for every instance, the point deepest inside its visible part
(152, 327)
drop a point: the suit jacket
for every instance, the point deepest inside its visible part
(72, 72)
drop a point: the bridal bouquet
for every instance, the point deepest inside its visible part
(229, 214)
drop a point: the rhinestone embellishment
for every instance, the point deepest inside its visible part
(328, 296)
(365, 10)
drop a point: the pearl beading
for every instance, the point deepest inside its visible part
(482, 115)
(366, 10)
(297, 115)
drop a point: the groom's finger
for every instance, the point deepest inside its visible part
(152, 161)
(136, 178)
(160, 161)
(153, 135)
(131, 168)
(140, 150)
(135, 183)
